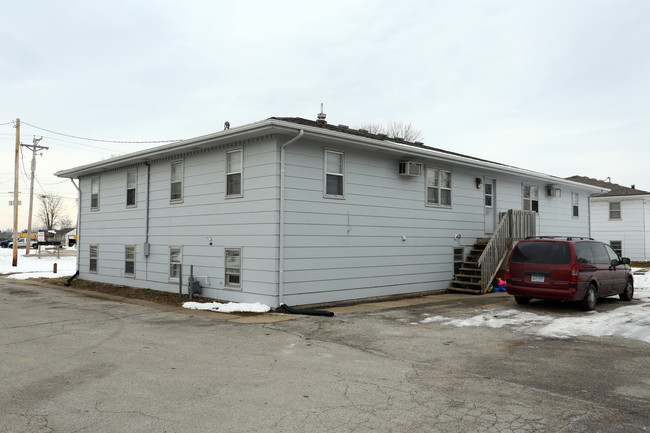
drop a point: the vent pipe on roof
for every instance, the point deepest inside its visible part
(633, 186)
(321, 116)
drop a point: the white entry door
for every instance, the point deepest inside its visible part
(489, 193)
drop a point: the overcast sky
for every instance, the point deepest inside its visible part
(557, 86)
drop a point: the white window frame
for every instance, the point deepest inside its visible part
(94, 193)
(178, 163)
(175, 266)
(488, 196)
(133, 187)
(234, 173)
(93, 258)
(575, 205)
(334, 174)
(615, 212)
(129, 257)
(532, 201)
(230, 271)
(434, 182)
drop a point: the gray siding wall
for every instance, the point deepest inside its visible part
(205, 215)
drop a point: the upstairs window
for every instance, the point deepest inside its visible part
(531, 198)
(176, 184)
(131, 182)
(234, 173)
(575, 203)
(129, 260)
(94, 193)
(333, 173)
(615, 210)
(438, 187)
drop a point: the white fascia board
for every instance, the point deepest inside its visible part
(644, 197)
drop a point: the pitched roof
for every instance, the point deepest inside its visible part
(616, 190)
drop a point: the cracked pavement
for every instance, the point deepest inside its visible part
(70, 363)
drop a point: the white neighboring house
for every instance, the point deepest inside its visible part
(297, 212)
(620, 217)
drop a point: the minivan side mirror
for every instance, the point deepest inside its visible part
(625, 261)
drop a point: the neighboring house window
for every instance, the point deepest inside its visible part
(174, 263)
(131, 182)
(438, 187)
(129, 260)
(615, 210)
(94, 193)
(531, 198)
(176, 186)
(617, 246)
(233, 267)
(92, 267)
(234, 173)
(575, 203)
(333, 173)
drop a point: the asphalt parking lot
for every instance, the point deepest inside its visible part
(74, 363)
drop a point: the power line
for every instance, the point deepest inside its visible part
(98, 139)
(7, 123)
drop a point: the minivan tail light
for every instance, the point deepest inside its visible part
(507, 273)
(575, 271)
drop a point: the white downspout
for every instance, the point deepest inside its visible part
(281, 230)
(78, 221)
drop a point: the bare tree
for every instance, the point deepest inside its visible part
(395, 129)
(65, 222)
(51, 210)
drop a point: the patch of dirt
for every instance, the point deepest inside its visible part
(165, 298)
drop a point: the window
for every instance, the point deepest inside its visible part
(488, 194)
(131, 181)
(618, 247)
(233, 173)
(531, 198)
(176, 186)
(615, 210)
(233, 267)
(333, 173)
(575, 203)
(92, 267)
(129, 260)
(458, 259)
(94, 193)
(174, 263)
(438, 187)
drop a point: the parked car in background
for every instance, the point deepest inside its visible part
(22, 243)
(567, 268)
(5, 243)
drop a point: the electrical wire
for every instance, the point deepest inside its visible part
(98, 139)
(7, 123)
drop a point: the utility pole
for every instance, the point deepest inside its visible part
(16, 167)
(34, 148)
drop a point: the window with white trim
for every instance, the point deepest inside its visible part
(94, 253)
(129, 260)
(575, 204)
(176, 182)
(334, 164)
(232, 267)
(617, 246)
(94, 193)
(531, 198)
(615, 210)
(174, 263)
(438, 187)
(234, 173)
(131, 182)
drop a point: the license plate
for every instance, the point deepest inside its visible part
(537, 278)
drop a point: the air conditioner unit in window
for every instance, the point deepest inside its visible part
(409, 168)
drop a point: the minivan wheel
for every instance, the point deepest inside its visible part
(522, 300)
(588, 303)
(628, 292)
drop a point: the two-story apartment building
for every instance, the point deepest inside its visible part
(293, 211)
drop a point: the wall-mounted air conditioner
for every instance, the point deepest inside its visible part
(409, 168)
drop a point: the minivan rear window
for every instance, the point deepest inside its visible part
(547, 253)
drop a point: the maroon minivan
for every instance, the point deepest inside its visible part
(567, 268)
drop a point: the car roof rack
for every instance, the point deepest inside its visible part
(568, 238)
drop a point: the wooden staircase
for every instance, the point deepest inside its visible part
(468, 277)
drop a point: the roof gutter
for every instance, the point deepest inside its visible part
(301, 133)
